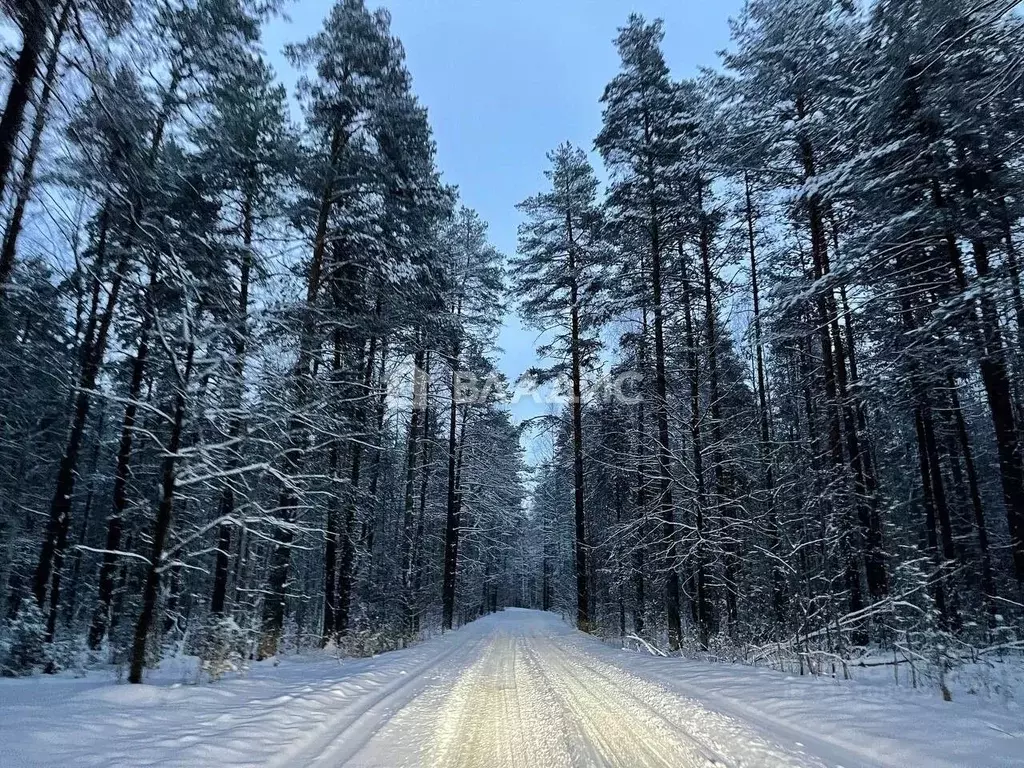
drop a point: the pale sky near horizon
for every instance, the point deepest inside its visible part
(506, 81)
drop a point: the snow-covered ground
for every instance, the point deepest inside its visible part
(519, 688)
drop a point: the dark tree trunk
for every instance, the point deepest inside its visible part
(276, 597)
(120, 589)
(347, 565)
(418, 543)
(10, 241)
(779, 597)
(866, 498)
(987, 338)
(825, 321)
(703, 615)
(723, 480)
(221, 569)
(639, 553)
(58, 568)
(545, 566)
(222, 559)
(343, 589)
(579, 514)
(84, 535)
(927, 490)
(35, 15)
(996, 379)
(945, 551)
(878, 578)
(376, 521)
(93, 349)
(173, 598)
(938, 519)
(665, 504)
(452, 522)
(981, 528)
(161, 526)
(412, 465)
(620, 494)
(332, 536)
(275, 601)
(115, 522)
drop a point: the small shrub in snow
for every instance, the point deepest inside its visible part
(365, 642)
(220, 646)
(65, 654)
(25, 647)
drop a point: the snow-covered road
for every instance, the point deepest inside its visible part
(518, 688)
(526, 693)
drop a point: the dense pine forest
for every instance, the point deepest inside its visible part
(250, 401)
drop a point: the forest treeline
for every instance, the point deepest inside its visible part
(230, 341)
(235, 325)
(811, 257)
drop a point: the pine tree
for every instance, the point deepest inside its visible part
(637, 142)
(558, 275)
(474, 287)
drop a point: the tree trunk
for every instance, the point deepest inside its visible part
(703, 615)
(161, 526)
(370, 531)
(221, 568)
(927, 490)
(779, 597)
(93, 349)
(723, 481)
(115, 522)
(987, 338)
(288, 502)
(866, 498)
(347, 566)
(332, 534)
(222, 559)
(981, 528)
(824, 319)
(418, 543)
(412, 465)
(639, 553)
(452, 522)
(84, 537)
(581, 549)
(35, 17)
(675, 630)
(10, 240)
(945, 551)
(997, 386)
(58, 567)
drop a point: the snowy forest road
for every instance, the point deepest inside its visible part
(520, 689)
(515, 689)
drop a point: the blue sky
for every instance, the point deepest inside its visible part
(506, 81)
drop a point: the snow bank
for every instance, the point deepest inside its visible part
(870, 720)
(304, 708)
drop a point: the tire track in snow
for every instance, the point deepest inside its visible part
(533, 699)
(500, 715)
(342, 737)
(619, 731)
(719, 739)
